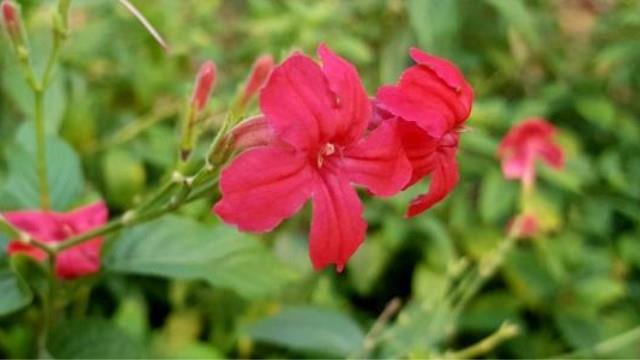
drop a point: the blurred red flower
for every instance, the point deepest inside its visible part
(529, 140)
(317, 116)
(51, 227)
(430, 104)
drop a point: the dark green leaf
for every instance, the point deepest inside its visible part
(65, 177)
(311, 330)
(179, 248)
(92, 339)
(15, 292)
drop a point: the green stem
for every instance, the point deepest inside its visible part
(48, 308)
(41, 155)
(486, 270)
(371, 339)
(215, 144)
(131, 218)
(51, 63)
(505, 332)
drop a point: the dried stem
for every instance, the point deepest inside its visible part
(147, 25)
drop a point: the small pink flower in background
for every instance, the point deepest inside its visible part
(529, 140)
(51, 227)
(316, 118)
(430, 103)
(205, 81)
(260, 72)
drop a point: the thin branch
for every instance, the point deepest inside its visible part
(504, 333)
(154, 33)
(371, 339)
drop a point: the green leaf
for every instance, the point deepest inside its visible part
(435, 24)
(497, 197)
(19, 92)
(394, 58)
(64, 175)
(516, 14)
(180, 248)
(15, 292)
(578, 329)
(312, 330)
(92, 339)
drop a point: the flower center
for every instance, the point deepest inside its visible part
(326, 150)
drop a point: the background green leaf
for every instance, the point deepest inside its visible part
(180, 248)
(311, 330)
(92, 339)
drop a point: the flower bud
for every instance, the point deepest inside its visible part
(524, 226)
(11, 20)
(259, 75)
(205, 82)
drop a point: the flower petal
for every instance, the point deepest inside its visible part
(443, 179)
(552, 154)
(430, 116)
(449, 73)
(263, 186)
(41, 225)
(252, 132)
(354, 107)
(86, 218)
(16, 247)
(298, 103)
(379, 162)
(83, 259)
(337, 225)
(422, 84)
(432, 94)
(420, 149)
(80, 260)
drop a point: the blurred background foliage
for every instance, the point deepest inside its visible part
(187, 286)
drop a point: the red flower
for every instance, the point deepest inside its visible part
(51, 227)
(430, 103)
(205, 81)
(524, 143)
(317, 116)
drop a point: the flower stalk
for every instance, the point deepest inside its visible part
(505, 332)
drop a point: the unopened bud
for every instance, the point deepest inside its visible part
(11, 20)
(205, 82)
(524, 226)
(259, 75)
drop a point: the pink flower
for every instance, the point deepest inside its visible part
(318, 116)
(430, 103)
(259, 75)
(205, 82)
(50, 227)
(529, 140)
